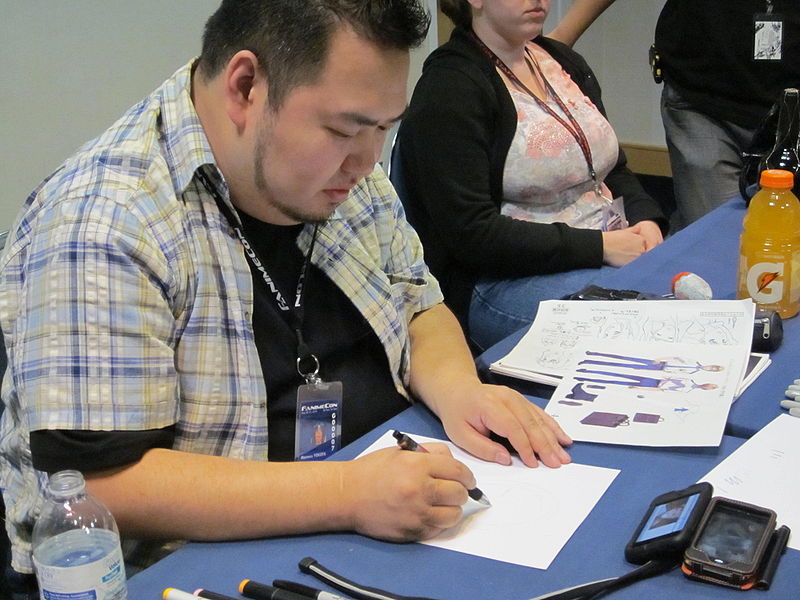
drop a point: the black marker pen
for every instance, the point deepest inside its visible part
(406, 443)
(772, 557)
(209, 595)
(262, 591)
(306, 590)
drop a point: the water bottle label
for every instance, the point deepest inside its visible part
(102, 579)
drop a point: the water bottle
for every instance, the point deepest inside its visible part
(76, 547)
(769, 259)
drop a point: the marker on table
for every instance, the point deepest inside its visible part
(406, 443)
(175, 594)
(262, 591)
(209, 595)
(792, 406)
(775, 549)
(306, 590)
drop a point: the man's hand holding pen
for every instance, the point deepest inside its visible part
(404, 496)
(405, 442)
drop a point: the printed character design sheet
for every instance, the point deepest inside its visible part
(562, 328)
(647, 394)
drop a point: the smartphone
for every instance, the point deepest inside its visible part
(669, 524)
(730, 543)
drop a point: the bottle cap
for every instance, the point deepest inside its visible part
(776, 178)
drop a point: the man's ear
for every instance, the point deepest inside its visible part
(244, 88)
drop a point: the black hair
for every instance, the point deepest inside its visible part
(458, 11)
(291, 38)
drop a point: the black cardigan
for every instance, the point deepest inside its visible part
(447, 166)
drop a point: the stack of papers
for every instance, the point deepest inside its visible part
(654, 373)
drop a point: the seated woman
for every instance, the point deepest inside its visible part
(507, 168)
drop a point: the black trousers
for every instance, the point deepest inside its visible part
(19, 586)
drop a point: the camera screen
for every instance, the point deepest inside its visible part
(732, 535)
(668, 518)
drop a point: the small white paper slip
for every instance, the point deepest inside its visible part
(765, 471)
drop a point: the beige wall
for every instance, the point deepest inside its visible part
(69, 69)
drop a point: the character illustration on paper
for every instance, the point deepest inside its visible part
(672, 364)
(662, 384)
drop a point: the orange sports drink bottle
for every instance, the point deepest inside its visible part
(769, 257)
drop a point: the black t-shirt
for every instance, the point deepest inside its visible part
(706, 49)
(335, 332)
(345, 344)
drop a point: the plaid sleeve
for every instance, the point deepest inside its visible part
(402, 252)
(96, 333)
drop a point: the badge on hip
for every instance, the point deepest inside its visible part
(318, 423)
(767, 37)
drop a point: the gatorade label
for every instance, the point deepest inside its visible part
(765, 282)
(772, 283)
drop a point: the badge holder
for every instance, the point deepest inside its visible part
(768, 36)
(613, 213)
(318, 422)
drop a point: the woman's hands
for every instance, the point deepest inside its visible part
(623, 245)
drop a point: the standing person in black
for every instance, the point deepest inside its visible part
(724, 63)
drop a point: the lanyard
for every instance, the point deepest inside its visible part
(295, 314)
(573, 127)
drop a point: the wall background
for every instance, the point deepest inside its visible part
(69, 69)
(616, 47)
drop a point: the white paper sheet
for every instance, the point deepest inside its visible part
(548, 348)
(647, 393)
(765, 471)
(534, 512)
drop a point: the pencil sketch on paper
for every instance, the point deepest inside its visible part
(550, 346)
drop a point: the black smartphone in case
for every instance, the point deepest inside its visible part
(730, 543)
(669, 524)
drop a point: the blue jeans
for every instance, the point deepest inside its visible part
(705, 155)
(499, 307)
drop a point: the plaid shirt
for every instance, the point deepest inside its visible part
(126, 297)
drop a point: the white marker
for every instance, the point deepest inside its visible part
(173, 594)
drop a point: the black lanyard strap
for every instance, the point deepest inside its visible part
(348, 586)
(573, 127)
(307, 363)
